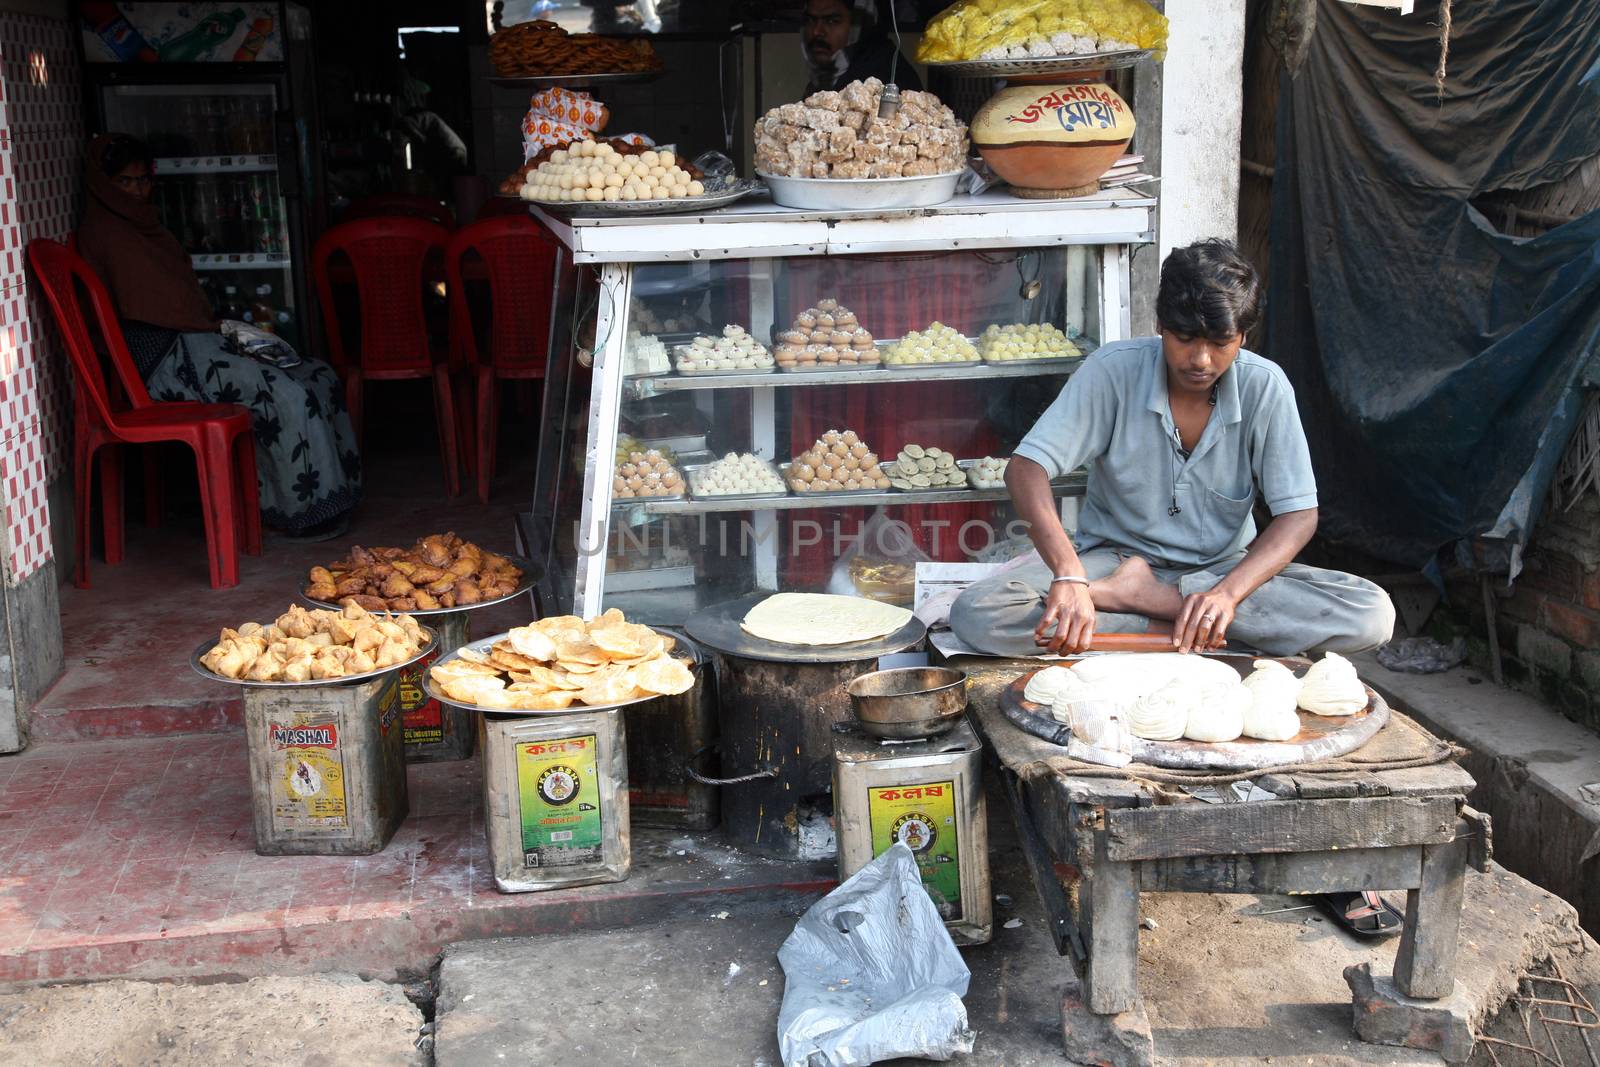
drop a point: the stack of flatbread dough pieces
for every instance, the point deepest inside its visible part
(1167, 695)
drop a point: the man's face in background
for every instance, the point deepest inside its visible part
(826, 29)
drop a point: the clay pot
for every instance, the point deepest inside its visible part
(1053, 138)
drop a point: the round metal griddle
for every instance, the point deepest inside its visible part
(312, 683)
(531, 573)
(484, 644)
(717, 627)
(1320, 737)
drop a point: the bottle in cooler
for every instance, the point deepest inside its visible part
(258, 126)
(238, 129)
(261, 313)
(206, 216)
(209, 287)
(232, 306)
(261, 210)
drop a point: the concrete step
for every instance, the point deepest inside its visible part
(70, 716)
(1538, 774)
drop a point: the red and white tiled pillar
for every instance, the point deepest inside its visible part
(41, 153)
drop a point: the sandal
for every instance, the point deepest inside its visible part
(1364, 914)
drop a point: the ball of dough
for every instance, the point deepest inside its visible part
(1162, 715)
(1331, 687)
(1052, 683)
(1217, 713)
(1273, 692)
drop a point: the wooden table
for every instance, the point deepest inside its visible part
(1094, 843)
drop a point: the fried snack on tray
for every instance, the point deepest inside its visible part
(439, 571)
(303, 645)
(565, 662)
(540, 47)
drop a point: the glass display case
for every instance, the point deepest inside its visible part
(769, 399)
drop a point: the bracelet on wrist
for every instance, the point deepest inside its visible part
(1074, 579)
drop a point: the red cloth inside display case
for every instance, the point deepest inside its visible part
(891, 296)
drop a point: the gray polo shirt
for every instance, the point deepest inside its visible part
(1113, 416)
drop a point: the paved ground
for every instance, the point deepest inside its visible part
(321, 1021)
(1227, 980)
(135, 857)
(1223, 985)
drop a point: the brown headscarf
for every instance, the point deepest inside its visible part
(141, 262)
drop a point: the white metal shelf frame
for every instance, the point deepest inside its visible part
(1107, 222)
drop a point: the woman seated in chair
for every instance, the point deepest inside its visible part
(308, 464)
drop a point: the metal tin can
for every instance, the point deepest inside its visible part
(435, 731)
(555, 799)
(327, 774)
(929, 795)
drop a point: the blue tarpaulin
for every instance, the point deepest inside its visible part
(1438, 363)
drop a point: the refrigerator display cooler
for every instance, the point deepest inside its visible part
(234, 174)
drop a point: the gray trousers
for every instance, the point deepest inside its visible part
(1302, 609)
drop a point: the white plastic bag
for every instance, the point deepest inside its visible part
(870, 974)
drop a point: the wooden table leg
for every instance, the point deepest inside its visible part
(1425, 965)
(1112, 911)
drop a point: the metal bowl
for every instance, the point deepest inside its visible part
(861, 194)
(908, 702)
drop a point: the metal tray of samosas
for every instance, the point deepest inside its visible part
(313, 683)
(531, 572)
(681, 650)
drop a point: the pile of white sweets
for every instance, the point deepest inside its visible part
(987, 473)
(1057, 44)
(593, 171)
(924, 468)
(937, 344)
(643, 353)
(1167, 695)
(1002, 344)
(734, 350)
(736, 474)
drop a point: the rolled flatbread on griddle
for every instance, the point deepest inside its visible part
(821, 619)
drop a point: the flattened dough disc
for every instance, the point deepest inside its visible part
(811, 619)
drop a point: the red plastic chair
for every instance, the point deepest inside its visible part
(404, 205)
(389, 263)
(519, 257)
(219, 434)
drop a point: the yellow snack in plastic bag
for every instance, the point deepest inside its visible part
(1039, 29)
